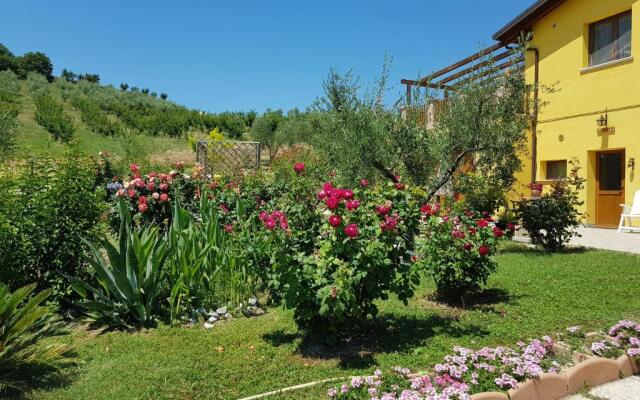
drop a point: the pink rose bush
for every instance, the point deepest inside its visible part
(342, 254)
(456, 248)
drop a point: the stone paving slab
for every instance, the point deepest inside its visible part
(597, 238)
(624, 389)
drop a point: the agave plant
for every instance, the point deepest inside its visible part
(24, 323)
(129, 278)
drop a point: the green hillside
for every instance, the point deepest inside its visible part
(41, 115)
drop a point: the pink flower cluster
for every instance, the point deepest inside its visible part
(273, 220)
(146, 189)
(455, 378)
(624, 337)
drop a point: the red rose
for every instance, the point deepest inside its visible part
(322, 194)
(142, 200)
(298, 167)
(472, 230)
(414, 258)
(131, 193)
(143, 207)
(426, 209)
(263, 216)
(511, 227)
(399, 185)
(327, 187)
(353, 204)
(335, 220)
(284, 225)
(347, 194)
(164, 187)
(164, 197)
(332, 202)
(351, 230)
(482, 223)
(151, 186)
(364, 183)
(270, 223)
(467, 246)
(134, 168)
(139, 183)
(484, 250)
(457, 234)
(497, 232)
(383, 210)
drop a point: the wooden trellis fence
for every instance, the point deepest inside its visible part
(228, 158)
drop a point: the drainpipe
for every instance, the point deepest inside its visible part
(534, 117)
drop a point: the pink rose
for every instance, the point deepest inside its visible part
(353, 204)
(335, 220)
(164, 197)
(332, 202)
(143, 207)
(298, 167)
(155, 195)
(351, 230)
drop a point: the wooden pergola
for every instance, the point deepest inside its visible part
(464, 71)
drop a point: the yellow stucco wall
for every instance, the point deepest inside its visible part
(563, 129)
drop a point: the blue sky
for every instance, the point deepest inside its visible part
(243, 55)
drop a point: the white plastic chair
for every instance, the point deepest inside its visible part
(629, 213)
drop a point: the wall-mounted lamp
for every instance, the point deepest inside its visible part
(603, 121)
(632, 163)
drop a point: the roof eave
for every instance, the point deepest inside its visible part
(523, 22)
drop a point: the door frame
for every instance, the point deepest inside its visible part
(597, 180)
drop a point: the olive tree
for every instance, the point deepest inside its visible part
(483, 121)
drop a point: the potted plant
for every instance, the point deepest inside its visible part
(536, 189)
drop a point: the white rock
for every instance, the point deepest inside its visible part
(207, 325)
(212, 319)
(221, 310)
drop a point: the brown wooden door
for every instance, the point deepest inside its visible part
(609, 187)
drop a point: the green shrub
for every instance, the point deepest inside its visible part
(8, 129)
(552, 220)
(481, 192)
(96, 119)
(456, 250)
(50, 115)
(47, 207)
(24, 324)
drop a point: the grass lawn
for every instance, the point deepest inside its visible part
(532, 294)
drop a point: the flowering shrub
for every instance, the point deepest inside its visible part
(150, 196)
(461, 374)
(345, 248)
(456, 249)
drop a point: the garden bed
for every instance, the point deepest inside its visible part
(531, 294)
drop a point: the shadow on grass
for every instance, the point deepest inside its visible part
(485, 300)
(518, 248)
(36, 379)
(385, 334)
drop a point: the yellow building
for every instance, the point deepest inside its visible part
(581, 55)
(583, 51)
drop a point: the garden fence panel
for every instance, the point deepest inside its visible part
(228, 158)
